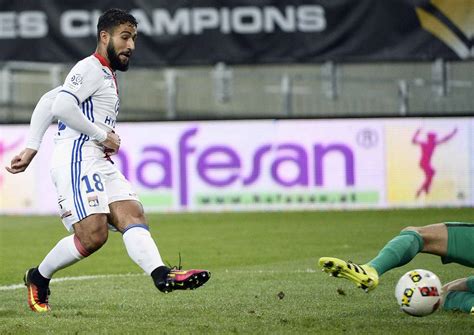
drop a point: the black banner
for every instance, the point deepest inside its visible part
(185, 32)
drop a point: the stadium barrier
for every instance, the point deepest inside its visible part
(223, 91)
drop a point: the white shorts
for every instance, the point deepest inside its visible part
(88, 187)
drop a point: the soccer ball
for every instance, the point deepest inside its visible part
(418, 292)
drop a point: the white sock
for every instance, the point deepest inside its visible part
(142, 248)
(66, 252)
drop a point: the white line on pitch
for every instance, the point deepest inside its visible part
(81, 278)
(271, 271)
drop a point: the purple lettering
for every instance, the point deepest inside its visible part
(301, 161)
(163, 160)
(257, 158)
(184, 150)
(320, 152)
(230, 162)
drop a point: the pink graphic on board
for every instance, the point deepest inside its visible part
(427, 149)
(4, 148)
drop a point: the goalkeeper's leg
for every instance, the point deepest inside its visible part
(397, 252)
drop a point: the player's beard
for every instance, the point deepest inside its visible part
(115, 62)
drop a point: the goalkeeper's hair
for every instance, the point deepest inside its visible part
(112, 18)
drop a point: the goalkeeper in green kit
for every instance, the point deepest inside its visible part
(452, 241)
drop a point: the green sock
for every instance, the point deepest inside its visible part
(398, 251)
(459, 301)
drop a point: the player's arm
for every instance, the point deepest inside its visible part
(81, 83)
(41, 119)
(461, 285)
(21, 161)
(66, 109)
(457, 285)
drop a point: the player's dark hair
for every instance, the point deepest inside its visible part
(112, 18)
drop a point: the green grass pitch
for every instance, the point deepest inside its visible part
(264, 277)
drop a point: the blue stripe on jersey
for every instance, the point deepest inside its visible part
(77, 99)
(92, 110)
(88, 109)
(84, 139)
(76, 161)
(77, 164)
(85, 108)
(76, 176)
(73, 177)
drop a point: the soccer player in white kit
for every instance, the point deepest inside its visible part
(93, 195)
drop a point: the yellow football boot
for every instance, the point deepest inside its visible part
(364, 276)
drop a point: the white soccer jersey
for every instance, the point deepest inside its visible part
(93, 85)
(41, 119)
(86, 181)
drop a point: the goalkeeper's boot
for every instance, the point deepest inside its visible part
(177, 279)
(37, 295)
(364, 276)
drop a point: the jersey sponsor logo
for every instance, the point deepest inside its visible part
(110, 121)
(117, 107)
(107, 75)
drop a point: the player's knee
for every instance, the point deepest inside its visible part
(93, 238)
(135, 215)
(96, 240)
(126, 213)
(421, 231)
(138, 215)
(434, 238)
(100, 238)
(413, 228)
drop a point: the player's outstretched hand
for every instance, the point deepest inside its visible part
(455, 285)
(111, 143)
(21, 161)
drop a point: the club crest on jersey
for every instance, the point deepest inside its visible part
(93, 201)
